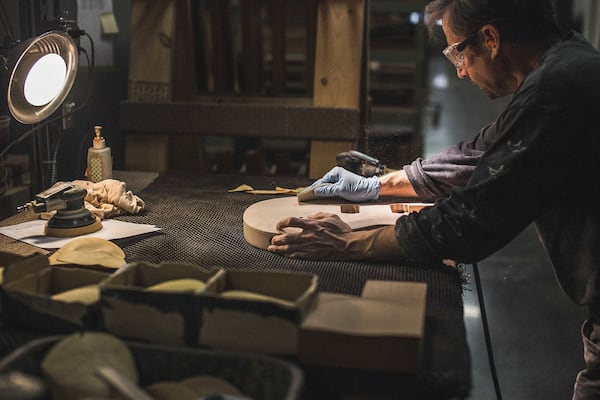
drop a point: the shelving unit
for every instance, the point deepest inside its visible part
(397, 83)
(278, 71)
(164, 130)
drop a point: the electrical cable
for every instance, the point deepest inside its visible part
(6, 22)
(35, 128)
(91, 64)
(486, 332)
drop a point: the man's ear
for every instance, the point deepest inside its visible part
(491, 39)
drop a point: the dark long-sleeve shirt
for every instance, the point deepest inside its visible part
(539, 162)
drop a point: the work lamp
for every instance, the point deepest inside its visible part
(41, 72)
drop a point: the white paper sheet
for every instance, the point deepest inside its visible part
(32, 232)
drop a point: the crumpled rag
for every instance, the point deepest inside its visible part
(107, 198)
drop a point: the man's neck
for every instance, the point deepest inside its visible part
(522, 60)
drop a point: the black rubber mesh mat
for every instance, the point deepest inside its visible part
(202, 223)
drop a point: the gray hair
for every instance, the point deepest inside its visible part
(518, 21)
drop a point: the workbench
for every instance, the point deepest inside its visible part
(201, 223)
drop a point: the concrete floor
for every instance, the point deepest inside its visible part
(534, 327)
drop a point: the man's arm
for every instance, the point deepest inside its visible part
(396, 184)
(437, 175)
(425, 179)
(327, 237)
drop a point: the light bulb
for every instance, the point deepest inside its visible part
(45, 80)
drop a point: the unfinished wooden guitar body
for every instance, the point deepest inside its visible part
(260, 219)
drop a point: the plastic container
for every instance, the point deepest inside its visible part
(257, 376)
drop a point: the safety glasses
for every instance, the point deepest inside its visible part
(454, 52)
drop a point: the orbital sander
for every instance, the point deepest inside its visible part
(360, 163)
(71, 217)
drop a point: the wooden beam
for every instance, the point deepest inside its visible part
(274, 120)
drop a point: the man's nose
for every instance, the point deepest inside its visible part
(461, 72)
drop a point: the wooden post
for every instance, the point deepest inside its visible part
(252, 55)
(222, 47)
(278, 48)
(161, 68)
(150, 55)
(184, 56)
(311, 38)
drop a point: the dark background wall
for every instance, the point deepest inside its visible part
(108, 83)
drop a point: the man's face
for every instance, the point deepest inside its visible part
(479, 66)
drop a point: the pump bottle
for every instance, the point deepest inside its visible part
(99, 159)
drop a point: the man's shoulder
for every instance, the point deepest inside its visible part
(573, 50)
(568, 71)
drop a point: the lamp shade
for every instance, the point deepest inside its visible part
(42, 71)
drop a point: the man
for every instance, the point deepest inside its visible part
(538, 162)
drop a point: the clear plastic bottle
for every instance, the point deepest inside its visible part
(99, 159)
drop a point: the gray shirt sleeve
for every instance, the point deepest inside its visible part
(437, 175)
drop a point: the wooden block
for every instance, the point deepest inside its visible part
(147, 152)
(408, 207)
(413, 293)
(350, 208)
(381, 330)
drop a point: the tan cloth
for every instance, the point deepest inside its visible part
(110, 197)
(107, 198)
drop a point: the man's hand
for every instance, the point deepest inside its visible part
(326, 237)
(347, 185)
(322, 237)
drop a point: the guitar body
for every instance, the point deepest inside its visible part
(260, 219)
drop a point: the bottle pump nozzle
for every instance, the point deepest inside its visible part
(98, 142)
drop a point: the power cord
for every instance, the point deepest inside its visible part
(486, 332)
